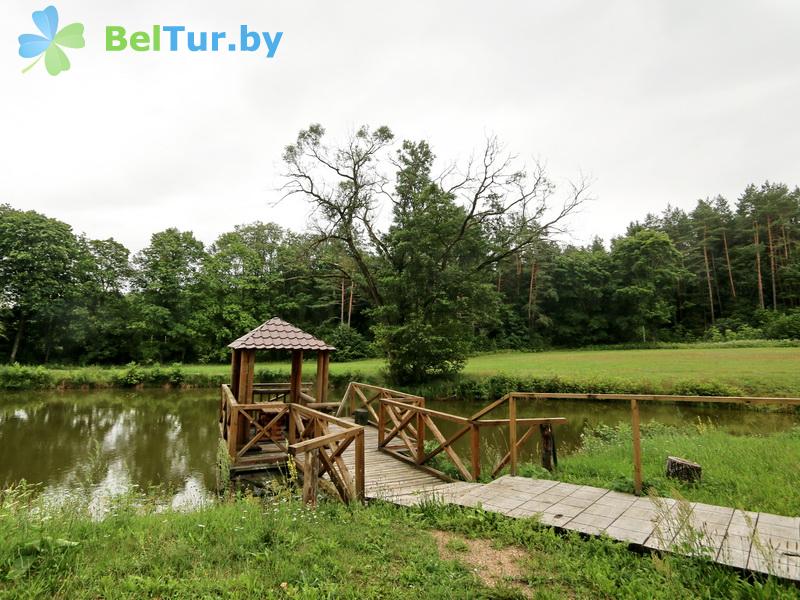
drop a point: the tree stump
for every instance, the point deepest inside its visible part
(361, 416)
(683, 469)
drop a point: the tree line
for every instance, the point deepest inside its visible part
(467, 260)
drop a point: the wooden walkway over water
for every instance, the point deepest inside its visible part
(753, 541)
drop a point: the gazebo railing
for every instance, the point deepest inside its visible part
(261, 434)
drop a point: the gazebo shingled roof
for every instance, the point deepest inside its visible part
(277, 334)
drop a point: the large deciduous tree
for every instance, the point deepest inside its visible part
(427, 274)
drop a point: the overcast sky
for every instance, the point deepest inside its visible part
(660, 102)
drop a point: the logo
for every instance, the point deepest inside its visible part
(50, 42)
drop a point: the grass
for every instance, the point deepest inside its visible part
(722, 368)
(246, 547)
(758, 473)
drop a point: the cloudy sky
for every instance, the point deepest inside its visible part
(659, 102)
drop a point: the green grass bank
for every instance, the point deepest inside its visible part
(753, 472)
(707, 369)
(247, 547)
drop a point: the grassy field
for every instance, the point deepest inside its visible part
(758, 473)
(248, 548)
(773, 371)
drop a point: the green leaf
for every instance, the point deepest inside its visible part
(20, 567)
(71, 36)
(55, 60)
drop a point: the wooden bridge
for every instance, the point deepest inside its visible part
(390, 458)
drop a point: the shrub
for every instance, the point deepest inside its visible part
(132, 375)
(18, 377)
(349, 343)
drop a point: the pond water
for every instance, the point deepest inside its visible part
(108, 441)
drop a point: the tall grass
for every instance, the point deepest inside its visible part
(247, 547)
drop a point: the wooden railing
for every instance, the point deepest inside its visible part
(634, 400)
(276, 392)
(362, 395)
(264, 433)
(404, 425)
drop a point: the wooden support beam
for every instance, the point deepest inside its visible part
(296, 376)
(236, 364)
(360, 466)
(512, 433)
(475, 450)
(323, 362)
(310, 477)
(637, 448)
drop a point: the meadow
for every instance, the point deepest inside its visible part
(763, 369)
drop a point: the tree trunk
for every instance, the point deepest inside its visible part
(17, 340)
(532, 291)
(772, 267)
(757, 244)
(341, 305)
(350, 306)
(785, 243)
(708, 280)
(728, 262)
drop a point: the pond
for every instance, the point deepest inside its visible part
(109, 441)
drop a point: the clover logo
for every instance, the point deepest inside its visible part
(50, 42)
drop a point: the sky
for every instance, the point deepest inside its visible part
(657, 102)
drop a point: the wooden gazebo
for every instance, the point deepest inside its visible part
(277, 334)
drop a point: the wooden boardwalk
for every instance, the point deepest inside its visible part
(759, 542)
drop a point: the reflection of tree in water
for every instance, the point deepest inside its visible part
(43, 441)
(161, 438)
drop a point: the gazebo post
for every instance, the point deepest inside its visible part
(246, 375)
(297, 376)
(236, 365)
(323, 360)
(247, 362)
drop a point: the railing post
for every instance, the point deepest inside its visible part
(475, 449)
(292, 425)
(512, 432)
(637, 447)
(233, 432)
(360, 466)
(381, 422)
(420, 437)
(310, 470)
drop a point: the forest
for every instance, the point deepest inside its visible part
(470, 259)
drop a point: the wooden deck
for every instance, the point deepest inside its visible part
(759, 542)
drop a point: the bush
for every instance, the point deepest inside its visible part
(783, 326)
(17, 377)
(133, 375)
(349, 343)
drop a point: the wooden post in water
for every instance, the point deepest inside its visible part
(637, 447)
(546, 430)
(310, 470)
(512, 433)
(475, 450)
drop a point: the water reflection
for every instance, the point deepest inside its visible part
(109, 441)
